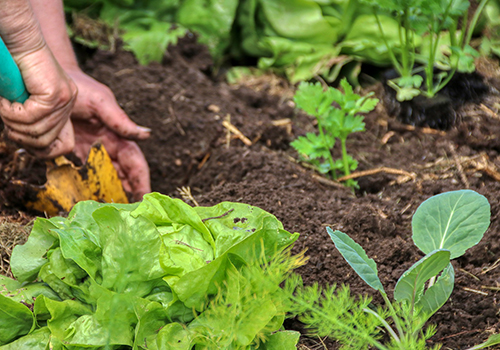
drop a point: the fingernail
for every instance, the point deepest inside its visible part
(143, 129)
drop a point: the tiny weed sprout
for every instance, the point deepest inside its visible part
(443, 227)
(429, 36)
(338, 116)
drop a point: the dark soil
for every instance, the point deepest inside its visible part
(189, 146)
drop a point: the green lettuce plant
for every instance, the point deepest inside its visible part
(337, 115)
(152, 275)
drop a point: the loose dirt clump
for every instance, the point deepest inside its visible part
(191, 115)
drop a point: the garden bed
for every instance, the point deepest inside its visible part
(189, 146)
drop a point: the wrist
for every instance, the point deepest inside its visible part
(19, 28)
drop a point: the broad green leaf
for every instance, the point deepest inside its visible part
(27, 259)
(15, 320)
(212, 19)
(165, 211)
(264, 242)
(411, 284)
(231, 223)
(454, 221)
(38, 340)
(435, 296)
(77, 245)
(130, 261)
(112, 323)
(60, 314)
(354, 254)
(174, 337)
(25, 293)
(149, 42)
(492, 340)
(7, 285)
(152, 317)
(283, 340)
(299, 20)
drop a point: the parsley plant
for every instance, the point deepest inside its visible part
(337, 117)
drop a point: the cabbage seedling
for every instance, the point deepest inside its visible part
(444, 227)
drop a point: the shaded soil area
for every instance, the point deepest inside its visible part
(186, 107)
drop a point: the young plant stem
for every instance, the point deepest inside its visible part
(406, 51)
(325, 144)
(393, 314)
(345, 159)
(386, 43)
(384, 323)
(474, 20)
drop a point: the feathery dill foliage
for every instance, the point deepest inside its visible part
(334, 312)
(249, 306)
(352, 321)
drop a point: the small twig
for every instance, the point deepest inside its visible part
(384, 169)
(218, 217)
(387, 137)
(424, 130)
(204, 160)
(458, 334)
(488, 111)
(496, 289)
(326, 181)
(227, 124)
(474, 291)
(492, 267)
(177, 123)
(459, 166)
(469, 274)
(484, 164)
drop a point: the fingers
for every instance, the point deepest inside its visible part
(135, 168)
(41, 124)
(115, 119)
(63, 144)
(97, 101)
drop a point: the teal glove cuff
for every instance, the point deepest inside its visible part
(11, 82)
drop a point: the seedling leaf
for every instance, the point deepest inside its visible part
(453, 220)
(492, 340)
(354, 254)
(411, 284)
(437, 295)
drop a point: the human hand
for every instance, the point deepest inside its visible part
(97, 117)
(41, 124)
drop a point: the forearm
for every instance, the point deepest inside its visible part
(19, 28)
(50, 15)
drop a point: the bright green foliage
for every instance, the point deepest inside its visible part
(334, 312)
(337, 116)
(152, 275)
(301, 38)
(443, 45)
(454, 221)
(444, 227)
